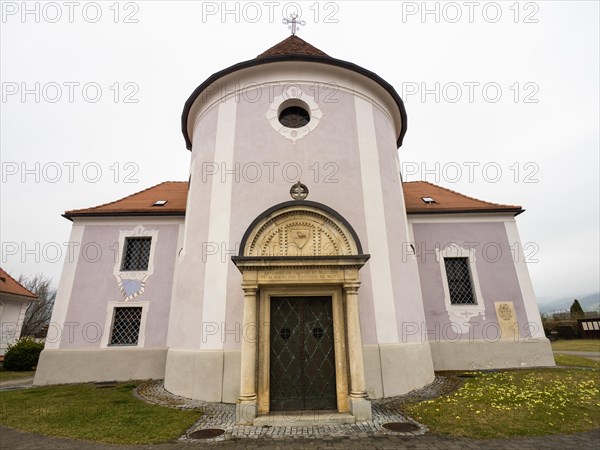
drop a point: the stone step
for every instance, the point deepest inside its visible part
(303, 419)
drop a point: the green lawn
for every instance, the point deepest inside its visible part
(6, 375)
(577, 345)
(488, 405)
(576, 361)
(85, 411)
(515, 403)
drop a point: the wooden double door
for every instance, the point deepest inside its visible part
(302, 358)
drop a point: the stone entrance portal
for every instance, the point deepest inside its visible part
(302, 346)
(302, 372)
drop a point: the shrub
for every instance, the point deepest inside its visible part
(23, 355)
(576, 310)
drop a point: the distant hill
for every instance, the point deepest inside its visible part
(588, 303)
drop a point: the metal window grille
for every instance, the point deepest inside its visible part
(137, 253)
(294, 117)
(126, 326)
(459, 281)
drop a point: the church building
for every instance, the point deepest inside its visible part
(295, 270)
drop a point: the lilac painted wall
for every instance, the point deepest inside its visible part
(263, 168)
(407, 294)
(330, 167)
(95, 285)
(185, 314)
(496, 273)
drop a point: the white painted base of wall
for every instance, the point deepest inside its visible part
(113, 364)
(396, 369)
(209, 375)
(214, 375)
(476, 355)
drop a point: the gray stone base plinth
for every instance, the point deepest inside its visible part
(361, 409)
(245, 412)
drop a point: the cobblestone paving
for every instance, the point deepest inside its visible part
(220, 415)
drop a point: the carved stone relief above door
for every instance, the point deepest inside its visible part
(305, 232)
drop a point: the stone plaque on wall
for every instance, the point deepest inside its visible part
(507, 320)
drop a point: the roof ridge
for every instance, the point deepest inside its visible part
(123, 198)
(463, 195)
(292, 45)
(4, 272)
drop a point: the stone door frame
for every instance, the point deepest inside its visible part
(293, 249)
(264, 278)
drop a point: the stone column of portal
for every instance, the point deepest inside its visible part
(359, 405)
(246, 408)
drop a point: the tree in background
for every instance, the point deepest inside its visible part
(37, 316)
(577, 310)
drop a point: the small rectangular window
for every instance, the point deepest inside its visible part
(136, 254)
(459, 281)
(126, 326)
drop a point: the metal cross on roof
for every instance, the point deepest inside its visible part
(293, 22)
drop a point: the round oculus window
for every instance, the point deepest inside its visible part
(294, 117)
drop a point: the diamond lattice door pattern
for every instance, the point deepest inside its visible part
(302, 373)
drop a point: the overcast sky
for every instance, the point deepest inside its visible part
(92, 95)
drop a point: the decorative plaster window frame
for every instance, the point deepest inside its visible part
(123, 276)
(293, 95)
(138, 231)
(460, 314)
(110, 317)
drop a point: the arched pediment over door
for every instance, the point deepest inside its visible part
(300, 229)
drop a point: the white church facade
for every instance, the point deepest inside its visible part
(247, 285)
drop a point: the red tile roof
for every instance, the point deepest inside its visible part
(140, 203)
(8, 285)
(292, 45)
(293, 49)
(447, 201)
(175, 192)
